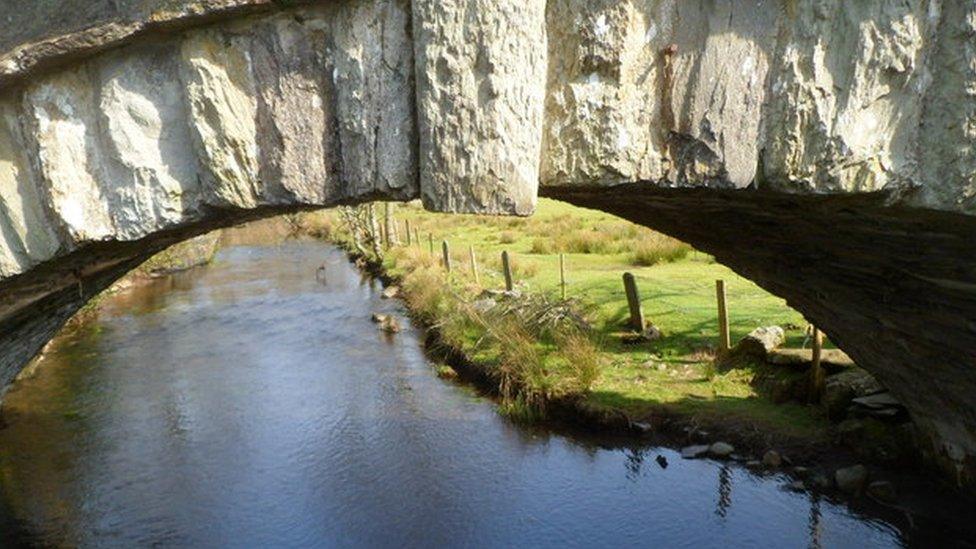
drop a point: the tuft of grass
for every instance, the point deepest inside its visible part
(507, 237)
(657, 248)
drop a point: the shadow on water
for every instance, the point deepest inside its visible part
(254, 403)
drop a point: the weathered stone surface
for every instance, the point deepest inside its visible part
(299, 150)
(27, 236)
(374, 82)
(481, 80)
(146, 152)
(221, 92)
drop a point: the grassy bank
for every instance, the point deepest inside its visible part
(591, 361)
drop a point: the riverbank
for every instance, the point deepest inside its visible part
(667, 389)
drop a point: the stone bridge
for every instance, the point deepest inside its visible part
(824, 149)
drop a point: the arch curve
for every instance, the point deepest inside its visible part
(837, 176)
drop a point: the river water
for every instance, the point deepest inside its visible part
(252, 403)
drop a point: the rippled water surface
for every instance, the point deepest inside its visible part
(254, 404)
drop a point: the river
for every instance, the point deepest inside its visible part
(253, 403)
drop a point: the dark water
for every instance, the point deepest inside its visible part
(249, 405)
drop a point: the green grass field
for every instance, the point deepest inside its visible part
(673, 375)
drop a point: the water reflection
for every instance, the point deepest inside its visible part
(253, 403)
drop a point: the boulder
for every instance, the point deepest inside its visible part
(851, 480)
(841, 389)
(721, 450)
(390, 292)
(760, 342)
(752, 349)
(380, 318)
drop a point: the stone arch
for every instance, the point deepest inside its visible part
(837, 175)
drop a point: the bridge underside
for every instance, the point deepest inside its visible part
(893, 287)
(839, 176)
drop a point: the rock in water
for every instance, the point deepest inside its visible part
(721, 450)
(380, 318)
(391, 325)
(851, 480)
(390, 292)
(692, 452)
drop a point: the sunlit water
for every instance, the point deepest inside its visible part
(253, 404)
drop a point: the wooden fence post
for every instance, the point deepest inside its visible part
(416, 236)
(633, 302)
(389, 227)
(409, 234)
(474, 265)
(724, 337)
(430, 240)
(447, 256)
(507, 270)
(562, 274)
